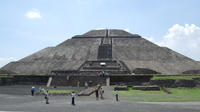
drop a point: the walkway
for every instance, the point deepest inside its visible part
(108, 92)
(26, 103)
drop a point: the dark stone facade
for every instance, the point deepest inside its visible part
(77, 80)
(25, 80)
(6, 81)
(144, 71)
(63, 80)
(192, 72)
(129, 80)
(95, 80)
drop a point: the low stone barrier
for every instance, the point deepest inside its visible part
(54, 94)
(147, 88)
(174, 83)
(121, 88)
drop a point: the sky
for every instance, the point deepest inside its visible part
(27, 26)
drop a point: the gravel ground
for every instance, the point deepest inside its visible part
(17, 98)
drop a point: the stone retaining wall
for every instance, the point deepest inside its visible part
(6, 81)
(94, 80)
(77, 80)
(129, 80)
(25, 80)
(174, 83)
(29, 80)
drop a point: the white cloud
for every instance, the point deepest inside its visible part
(150, 39)
(4, 61)
(183, 39)
(100, 29)
(127, 29)
(33, 14)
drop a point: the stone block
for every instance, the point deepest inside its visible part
(121, 88)
(147, 88)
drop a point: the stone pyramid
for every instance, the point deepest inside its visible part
(130, 51)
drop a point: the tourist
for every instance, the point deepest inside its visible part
(101, 93)
(47, 97)
(98, 74)
(32, 90)
(86, 85)
(40, 90)
(107, 74)
(78, 84)
(103, 73)
(73, 98)
(117, 95)
(97, 94)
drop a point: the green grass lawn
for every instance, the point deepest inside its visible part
(59, 91)
(5, 76)
(178, 95)
(186, 77)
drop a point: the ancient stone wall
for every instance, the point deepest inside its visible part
(25, 80)
(77, 80)
(144, 71)
(6, 81)
(174, 83)
(129, 80)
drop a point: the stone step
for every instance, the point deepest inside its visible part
(89, 91)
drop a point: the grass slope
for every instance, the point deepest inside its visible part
(186, 77)
(59, 91)
(178, 95)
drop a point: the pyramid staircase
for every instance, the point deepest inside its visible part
(111, 66)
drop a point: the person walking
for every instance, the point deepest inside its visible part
(47, 97)
(32, 90)
(40, 90)
(101, 92)
(86, 85)
(73, 98)
(97, 94)
(117, 95)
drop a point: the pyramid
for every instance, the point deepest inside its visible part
(122, 51)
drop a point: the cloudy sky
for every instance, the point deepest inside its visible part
(27, 26)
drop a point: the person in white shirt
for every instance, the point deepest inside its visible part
(73, 98)
(86, 85)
